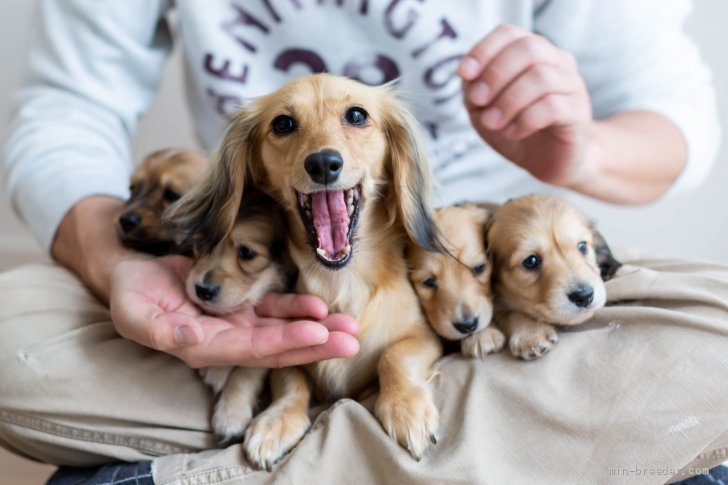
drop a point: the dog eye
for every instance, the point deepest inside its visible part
(582, 247)
(283, 125)
(356, 116)
(430, 282)
(478, 270)
(531, 262)
(170, 195)
(246, 254)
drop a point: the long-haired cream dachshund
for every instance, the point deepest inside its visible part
(454, 289)
(346, 163)
(245, 265)
(159, 180)
(550, 268)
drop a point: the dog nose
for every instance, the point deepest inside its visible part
(206, 291)
(582, 296)
(129, 221)
(466, 326)
(324, 167)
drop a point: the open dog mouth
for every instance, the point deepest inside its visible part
(330, 218)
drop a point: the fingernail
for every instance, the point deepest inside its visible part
(469, 67)
(491, 117)
(479, 94)
(185, 335)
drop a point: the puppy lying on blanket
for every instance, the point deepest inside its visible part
(159, 180)
(346, 163)
(550, 265)
(454, 289)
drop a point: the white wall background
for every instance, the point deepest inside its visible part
(692, 226)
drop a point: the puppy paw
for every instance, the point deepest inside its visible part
(215, 377)
(534, 342)
(272, 434)
(482, 343)
(410, 417)
(230, 418)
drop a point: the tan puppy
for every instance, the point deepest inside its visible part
(159, 180)
(454, 290)
(550, 268)
(248, 263)
(346, 163)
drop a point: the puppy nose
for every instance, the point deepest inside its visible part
(466, 326)
(206, 291)
(324, 167)
(582, 296)
(129, 221)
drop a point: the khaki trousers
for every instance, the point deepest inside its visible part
(637, 395)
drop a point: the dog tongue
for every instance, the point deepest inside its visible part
(331, 220)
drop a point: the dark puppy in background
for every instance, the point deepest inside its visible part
(550, 265)
(159, 181)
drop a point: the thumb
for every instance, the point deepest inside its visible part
(167, 331)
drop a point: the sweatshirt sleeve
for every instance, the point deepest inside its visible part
(93, 68)
(635, 55)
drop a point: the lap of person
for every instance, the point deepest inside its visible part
(641, 389)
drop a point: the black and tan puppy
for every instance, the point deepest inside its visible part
(159, 180)
(455, 289)
(550, 265)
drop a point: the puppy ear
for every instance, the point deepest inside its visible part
(608, 264)
(410, 175)
(207, 214)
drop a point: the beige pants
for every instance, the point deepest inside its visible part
(635, 395)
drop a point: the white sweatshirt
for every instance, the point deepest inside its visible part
(95, 66)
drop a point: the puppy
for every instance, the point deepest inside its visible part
(454, 289)
(550, 265)
(346, 163)
(159, 180)
(248, 263)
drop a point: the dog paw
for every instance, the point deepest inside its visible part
(215, 377)
(272, 434)
(482, 343)
(230, 418)
(411, 418)
(532, 343)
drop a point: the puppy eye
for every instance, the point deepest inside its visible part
(170, 195)
(531, 262)
(478, 270)
(246, 254)
(356, 116)
(582, 247)
(430, 282)
(283, 125)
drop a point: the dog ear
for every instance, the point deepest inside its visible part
(410, 175)
(608, 264)
(207, 214)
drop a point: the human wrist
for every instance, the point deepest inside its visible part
(87, 244)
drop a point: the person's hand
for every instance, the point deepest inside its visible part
(150, 307)
(528, 101)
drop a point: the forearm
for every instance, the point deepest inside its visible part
(631, 158)
(87, 244)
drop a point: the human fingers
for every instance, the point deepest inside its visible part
(339, 345)
(247, 345)
(551, 110)
(513, 60)
(288, 305)
(535, 83)
(472, 64)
